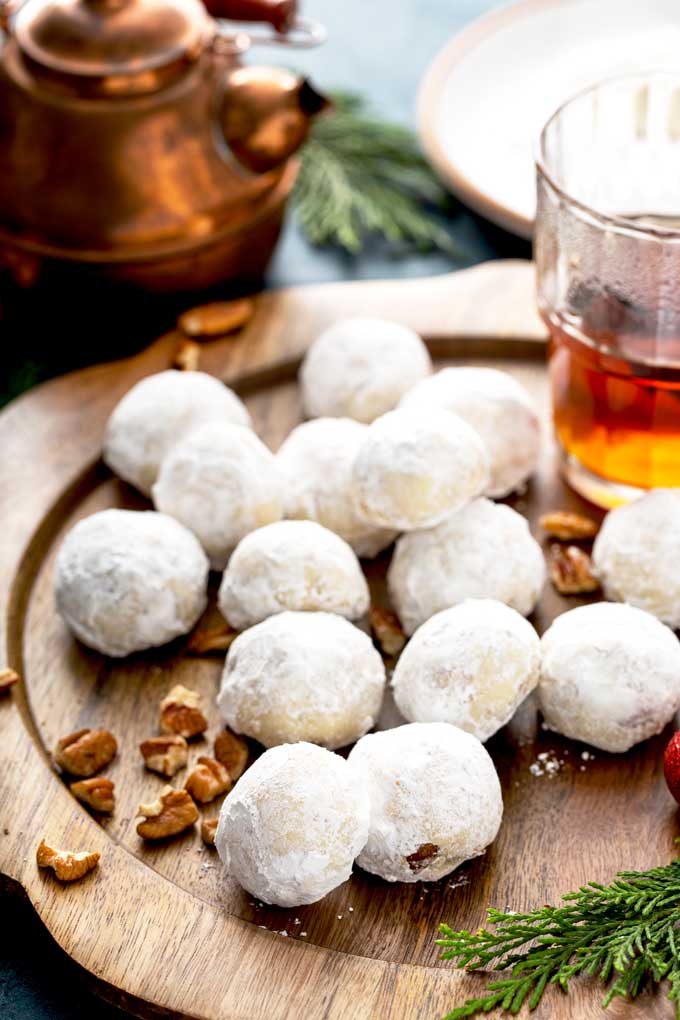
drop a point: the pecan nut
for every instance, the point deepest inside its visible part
(97, 793)
(216, 318)
(571, 570)
(187, 356)
(387, 630)
(421, 857)
(66, 865)
(180, 713)
(8, 678)
(208, 830)
(165, 755)
(85, 752)
(213, 639)
(568, 526)
(232, 752)
(172, 813)
(207, 780)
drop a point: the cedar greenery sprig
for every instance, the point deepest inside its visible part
(361, 177)
(626, 934)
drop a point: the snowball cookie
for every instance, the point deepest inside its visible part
(414, 468)
(126, 580)
(302, 676)
(435, 800)
(610, 675)
(291, 827)
(360, 368)
(471, 665)
(158, 411)
(637, 554)
(221, 482)
(291, 565)
(316, 462)
(498, 407)
(484, 551)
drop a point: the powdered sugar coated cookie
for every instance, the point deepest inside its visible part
(156, 413)
(360, 368)
(295, 565)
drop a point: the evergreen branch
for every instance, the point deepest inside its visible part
(361, 177)
(625, 934)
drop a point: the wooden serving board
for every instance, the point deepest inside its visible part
(159, 928)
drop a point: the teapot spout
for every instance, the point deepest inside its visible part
(266, 113)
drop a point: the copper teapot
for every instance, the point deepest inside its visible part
(135, 144)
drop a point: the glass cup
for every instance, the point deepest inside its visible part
(607, 249)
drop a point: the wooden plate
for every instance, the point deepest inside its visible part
(159, 927)
(488, 93)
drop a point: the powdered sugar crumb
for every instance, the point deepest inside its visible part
(547, 764)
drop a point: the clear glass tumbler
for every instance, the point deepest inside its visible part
(607, 249)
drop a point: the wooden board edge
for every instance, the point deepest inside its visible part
(420, 302)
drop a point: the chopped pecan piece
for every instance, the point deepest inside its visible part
(388, 631)
(568, 526)
(213, 639)
(187, 356)
(421, 857)
(232, 752)
(172, 813)
(207, 780)
(208, 830)
(180, 713)
(85, 752)
(571, 570)
(165, 755)
(66, 865)
(97, 793)
(8, 677)
(216, 318)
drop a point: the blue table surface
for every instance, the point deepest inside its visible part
(381, 49)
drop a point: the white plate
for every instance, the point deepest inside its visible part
(488, 93)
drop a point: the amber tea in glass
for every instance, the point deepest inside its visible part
(607, 246)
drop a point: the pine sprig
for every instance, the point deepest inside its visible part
(626, 934)
(362, 177)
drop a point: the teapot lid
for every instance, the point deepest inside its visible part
(122, 44)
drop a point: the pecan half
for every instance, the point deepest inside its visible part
(571, 570)
(216, 318)
(208, 830)
(97, 793)
(213, 639)
(180, 713)
(165, 755)
(85, 752)
(421, 857)
(387, 630)
(207, 780)
(8, 678)
(568, 526)
(232, 752)
(66, 865)
(172, 813)
(187, 356)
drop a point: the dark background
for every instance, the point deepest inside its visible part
(379, 48)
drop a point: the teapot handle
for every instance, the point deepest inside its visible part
(289, 28)
(279, 13)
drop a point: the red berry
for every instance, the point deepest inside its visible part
(671, 765)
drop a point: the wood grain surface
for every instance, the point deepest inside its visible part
(159, 927)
